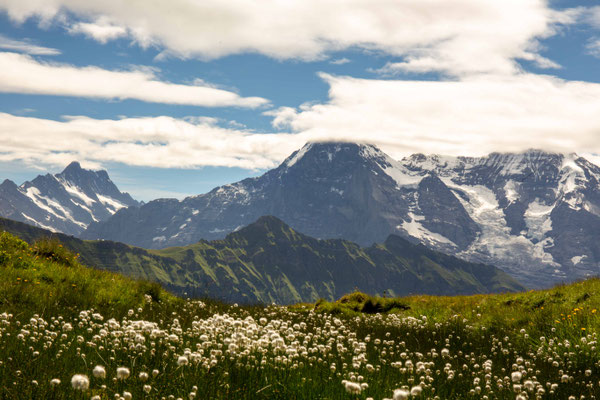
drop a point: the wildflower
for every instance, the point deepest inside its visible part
(55, 382)
(182, 360)
(99, 372)
(80, 382)
(415, 391)
(143, 376)
(127, 395)
(516, 376)
(147, 388)
(351, 387)
(401, 394)
(123, 373)
(155, 373)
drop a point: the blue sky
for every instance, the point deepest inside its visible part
(174, 99)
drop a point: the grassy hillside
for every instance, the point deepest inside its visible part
(49, 278)
(568, 309)
(269, 262)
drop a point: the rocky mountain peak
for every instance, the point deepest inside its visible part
(8, 184)
(66, 202)
(334, 152)
(73, 167)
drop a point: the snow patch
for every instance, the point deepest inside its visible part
(415, 229)
(401, 176)
(299, 154)
(577, 259)
(27, 217)
(510, 191)
(74, 191)
(110, 202)
(34, 194)
(537, 219)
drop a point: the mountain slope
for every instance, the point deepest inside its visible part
(534, 214)
(66, 202)
(48, 279)
(268, 261)
(326, 190)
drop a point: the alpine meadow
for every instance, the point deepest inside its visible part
(299, 199)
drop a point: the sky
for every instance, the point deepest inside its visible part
(176, 97)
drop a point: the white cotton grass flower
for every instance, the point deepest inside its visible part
(182, 360)
(99, 372)
(147, 388)
(55, 382)
(80, 382)
(123, 373)
(127, 396)
(416, 391)
(96, 397)
(401, 394)
(155, 373)
(143, 376)
(516, 377)
(352, 387)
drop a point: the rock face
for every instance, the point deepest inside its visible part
(535, 214)
(267, 261)
(66, 202)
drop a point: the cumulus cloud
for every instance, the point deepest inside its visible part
(472, 116)
(24, 74)
(163, 142)
(458, 37)
(25, 46)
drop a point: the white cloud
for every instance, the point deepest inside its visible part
(163, 142)
(25, 46)
(101, 30)
(456, 37)
(472, 116)
(24, 74)
(593, 48)
(339, 61)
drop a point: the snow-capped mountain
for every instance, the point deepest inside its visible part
(535, 214)
(66, 202)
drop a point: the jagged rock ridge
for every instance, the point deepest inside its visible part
(66, 202)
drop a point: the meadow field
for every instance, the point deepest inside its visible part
(72, 332)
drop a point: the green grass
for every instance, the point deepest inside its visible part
(47, 278)
(570, 309)
(59, 318)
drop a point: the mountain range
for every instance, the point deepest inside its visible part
(268, 261)
(535, 214)
(66, 202)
